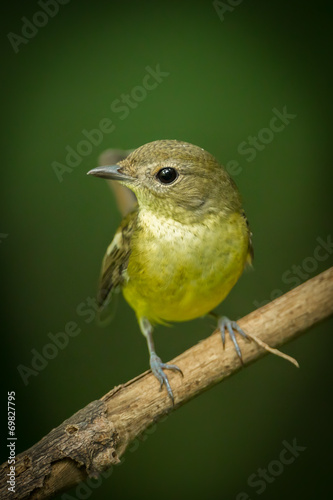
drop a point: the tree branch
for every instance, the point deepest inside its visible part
(96, 437)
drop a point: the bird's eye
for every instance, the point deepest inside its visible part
(167, 175)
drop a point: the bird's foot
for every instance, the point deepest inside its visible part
(223, 324)
(157, 367)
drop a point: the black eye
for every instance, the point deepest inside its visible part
(167, 175)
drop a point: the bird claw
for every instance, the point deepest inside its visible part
(157, 367)
(224, 324)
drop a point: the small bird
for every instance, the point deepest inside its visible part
(179, 251)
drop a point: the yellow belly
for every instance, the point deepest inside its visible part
(178, 273)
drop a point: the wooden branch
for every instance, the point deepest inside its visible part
(96, 437)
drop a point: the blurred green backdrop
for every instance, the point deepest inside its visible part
(222, 80)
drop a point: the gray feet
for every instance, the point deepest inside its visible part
(224, 324)
(157, 368)
(156, 364)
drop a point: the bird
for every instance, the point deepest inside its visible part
(183, 245)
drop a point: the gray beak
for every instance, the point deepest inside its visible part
(112, 172)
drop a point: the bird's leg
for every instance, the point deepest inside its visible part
(223, 324)
(156, 363)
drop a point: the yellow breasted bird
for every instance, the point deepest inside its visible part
(182, 248)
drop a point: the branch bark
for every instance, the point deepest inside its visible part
(95, 438)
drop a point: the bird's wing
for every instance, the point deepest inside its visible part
(116, 260)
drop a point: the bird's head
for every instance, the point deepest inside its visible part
(175, 177)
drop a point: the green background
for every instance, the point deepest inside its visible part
(225, 78)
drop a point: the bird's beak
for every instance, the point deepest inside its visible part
(112, 172)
